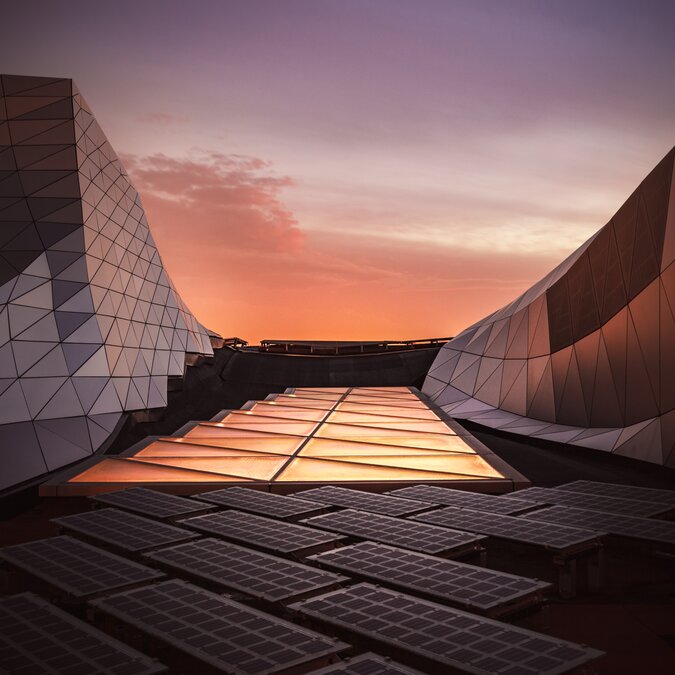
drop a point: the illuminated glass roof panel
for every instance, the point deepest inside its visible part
(319, 436)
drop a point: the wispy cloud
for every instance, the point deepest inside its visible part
(224, 200)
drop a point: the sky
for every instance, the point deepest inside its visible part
(371, 169)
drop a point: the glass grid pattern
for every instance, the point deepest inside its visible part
(334, 435)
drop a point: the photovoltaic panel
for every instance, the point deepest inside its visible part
(398, 532)
(152, 503)
(122, 530)
(364, 501)
(648, 529)
(217, 632)
(442, 637)
(549, 535)
(470, 500)
(467, 586)
(622, 491)
(36, 638)
(367, 664)
(262, 503)
(593, 502)
(76, 568)
(271, 535)
(257, 574)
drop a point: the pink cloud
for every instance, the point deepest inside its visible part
(163, 118)
(228, 200)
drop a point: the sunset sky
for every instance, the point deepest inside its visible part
(372, 169)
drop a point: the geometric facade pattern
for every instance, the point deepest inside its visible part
(361, 436)
(90, 324)
(587, 355)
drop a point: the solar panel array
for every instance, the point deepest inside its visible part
(471, 500)
(623, 491)
(76, 568)
(398, 532)
(215, 630)
(235, 567)
(36, 638)
(549, 535)
(263, 503)
(442, 636)
(648, 529)
(152, 503)
(594, 502)
(364, 501)
(367, 664)
(122, 530)
(475, 588)
(272, 535)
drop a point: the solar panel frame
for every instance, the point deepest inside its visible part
(367, 664)
(73, 553)
(420, 537)
(122, 530)
(34, 632)
(277, 536)
(593, 502)
(361, 500)
(440, 636)
(152, 503)
(658, 495)
(560, 539)
(476, 589)
(200, 558)
(616, 524)
(272, 505)
(215, 630)
(442, 496)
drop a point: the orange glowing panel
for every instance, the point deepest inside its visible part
(275, 414)
(258, 467)
(305, 469)
(329, 430)
(292, 400)
(327, 447)
(270, 426)
(370, 400)
(414, 413)
(217, 430)
(322, 390)
(349, 417)
(132, 471)
(470, 465)
(275, 445)
(289, 412)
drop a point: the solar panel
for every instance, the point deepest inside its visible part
(270, 535)
(36, 637)
(474, 588)
(76, 568)
(648, 529)
(441, 637)
(260, 575)
(551, 536)
(364, 501)
(594, 502)
(122, 530)
(470, 500)
(217, 632)
(367, 664)
(152, 503)
(397, 532)
(263, 503)
(622, 491)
